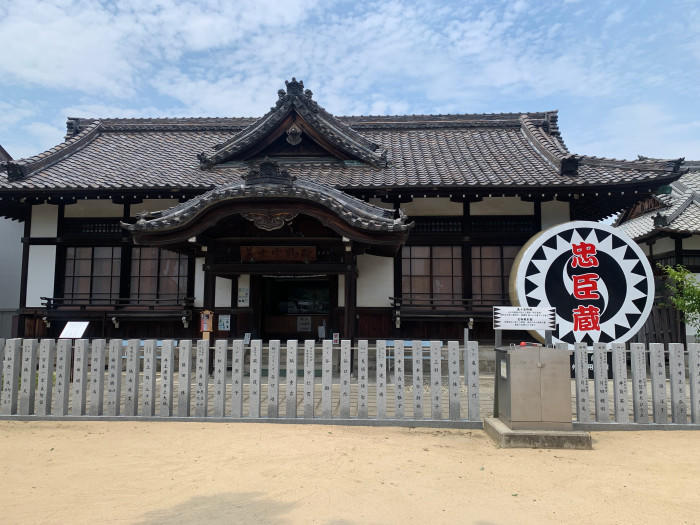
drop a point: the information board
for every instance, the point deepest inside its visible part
(524, 318)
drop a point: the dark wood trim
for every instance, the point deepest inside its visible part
(350, 313)
(398, 260)
(191, 269)
(60, 263)
(209, 282)
(25, 266)
(466, 251)
(678, 250)
(538, 214)
(41, 241)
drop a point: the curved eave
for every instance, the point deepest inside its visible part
(357, 221)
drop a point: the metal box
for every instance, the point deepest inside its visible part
(533, 388)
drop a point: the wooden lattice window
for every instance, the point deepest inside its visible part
(158, 275)
(92, 274)
(491, 267)
(432, 275)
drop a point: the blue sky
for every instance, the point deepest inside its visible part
(625, 76)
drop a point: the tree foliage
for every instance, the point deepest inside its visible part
(685, 294)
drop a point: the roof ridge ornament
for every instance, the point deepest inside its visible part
(294, 87)
(268, 172)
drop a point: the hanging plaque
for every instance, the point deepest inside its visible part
(252, 254)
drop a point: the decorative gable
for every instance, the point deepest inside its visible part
(297, 127)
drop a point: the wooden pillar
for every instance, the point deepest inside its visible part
(209, 283)
(679, 250)
(350, 292)
(25, 269)
(208, 301)
(398, 274)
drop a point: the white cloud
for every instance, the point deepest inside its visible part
(11, 114)
(617, 16)
(104, 49)
(132, 58)
(643, 129)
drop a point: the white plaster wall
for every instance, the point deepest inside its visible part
(664, 245)
(199, 282)
(152, 205)
(375, 280)
(645, 247)
(691, 243)
(502, 206)
(341, 290)
(222, 299)
(554, 212)
(243, 300)
(10, 263)
(40, 274)
(44, 221)
(94, 208)
(431, 206)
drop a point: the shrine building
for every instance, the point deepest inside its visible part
(297, 224)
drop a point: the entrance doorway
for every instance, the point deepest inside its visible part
(295, 306)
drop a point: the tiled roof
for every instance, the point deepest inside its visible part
(507, 150)
(681, 211)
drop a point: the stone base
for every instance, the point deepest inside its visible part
(504, 437)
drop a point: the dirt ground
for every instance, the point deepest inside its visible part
(138, 472)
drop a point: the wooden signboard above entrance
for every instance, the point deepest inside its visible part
(278, 253)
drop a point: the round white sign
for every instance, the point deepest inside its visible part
(597, 278)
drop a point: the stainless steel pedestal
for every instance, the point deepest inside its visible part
(533, 388)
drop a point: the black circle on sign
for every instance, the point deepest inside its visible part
(609, 272)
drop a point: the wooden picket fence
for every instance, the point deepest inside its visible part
(139, 388)
(136, 379)
(643, 363)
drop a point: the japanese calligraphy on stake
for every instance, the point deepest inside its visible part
(596, 277)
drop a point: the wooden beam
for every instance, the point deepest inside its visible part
(275, 269)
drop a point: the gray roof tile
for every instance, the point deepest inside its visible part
(680, 214)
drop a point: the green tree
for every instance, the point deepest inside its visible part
(685, 294)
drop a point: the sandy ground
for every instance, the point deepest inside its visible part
(138, 472)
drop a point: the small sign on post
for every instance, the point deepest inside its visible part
(524, 318)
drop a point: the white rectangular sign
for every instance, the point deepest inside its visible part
(303, 323)
(74, 330)
(523, 318)
(224, 322)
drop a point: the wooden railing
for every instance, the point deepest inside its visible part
(443, 305)
(106, 300)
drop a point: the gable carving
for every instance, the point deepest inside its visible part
(297, 121)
